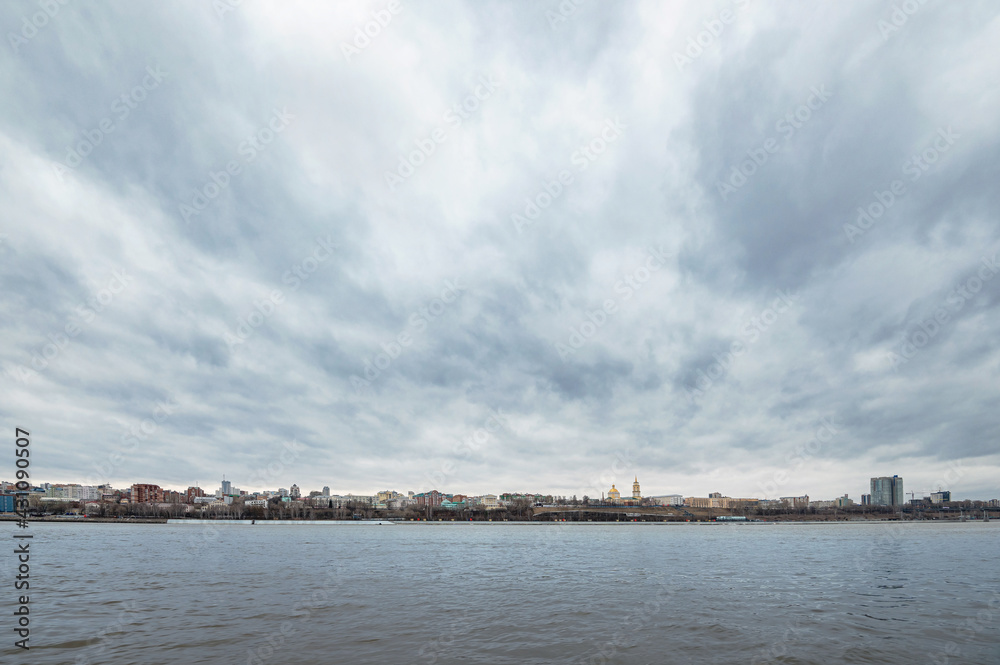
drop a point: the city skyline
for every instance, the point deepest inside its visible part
(523, 264)
(858, 498)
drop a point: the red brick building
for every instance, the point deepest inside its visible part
(147, 494)
(432, 498)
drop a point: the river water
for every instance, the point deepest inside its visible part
(510, 593)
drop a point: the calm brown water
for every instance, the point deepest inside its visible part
(511, 593)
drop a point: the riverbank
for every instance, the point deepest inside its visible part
(91, 520)
(795, 519)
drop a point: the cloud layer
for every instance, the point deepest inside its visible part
(504, 246)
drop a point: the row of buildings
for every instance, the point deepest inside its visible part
(888, 491)
(885, 491)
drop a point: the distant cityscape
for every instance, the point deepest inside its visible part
(886, 494)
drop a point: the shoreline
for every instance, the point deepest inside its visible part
(99, 520)
(390, 522)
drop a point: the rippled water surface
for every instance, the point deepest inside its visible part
(511, 593)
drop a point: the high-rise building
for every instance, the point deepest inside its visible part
(326, 491)
(432, 498)
(866, 499)
(887, 491)
(145, 493)
(89, 493)
(227, 487)
(941, 496)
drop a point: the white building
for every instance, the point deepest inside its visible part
(667, 500)
(399, 502)
(341, 500)
(90, 493)
(940, 497)
(58, 492)
(488, 501)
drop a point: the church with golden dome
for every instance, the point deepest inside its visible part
(615, 497)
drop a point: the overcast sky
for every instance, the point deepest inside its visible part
(590, 241)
